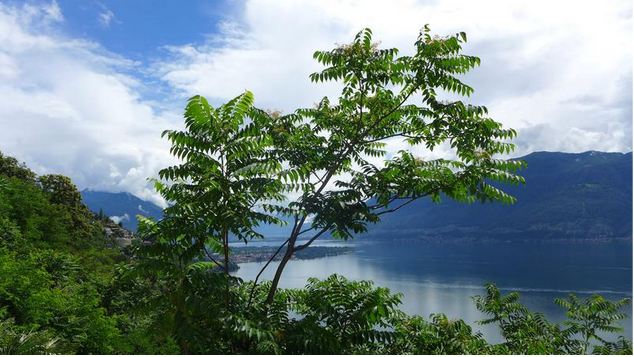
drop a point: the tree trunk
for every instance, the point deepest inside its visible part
(278, 275)
(226, 248)
(225, 242)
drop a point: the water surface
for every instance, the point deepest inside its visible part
(435, 278)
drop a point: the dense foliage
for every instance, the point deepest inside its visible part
(337, 316)
(55, 265)
(66, 287)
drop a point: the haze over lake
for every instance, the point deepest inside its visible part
(442, 277)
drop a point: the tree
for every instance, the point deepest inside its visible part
(10, 167)
(620, 347)
(61, 190)
(342, 317)
(240, 163)
(45, 290)
(332, 152)
(226, 174)
(592, 316)
(525, 332)
(440, 335)
(28, 343)
(64, 196)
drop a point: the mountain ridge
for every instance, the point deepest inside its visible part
(585, 196)
(121, 206)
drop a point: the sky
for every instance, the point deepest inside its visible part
(86, 87)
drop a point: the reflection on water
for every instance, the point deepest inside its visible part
(437, 278)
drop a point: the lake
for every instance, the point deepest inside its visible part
(442, 277)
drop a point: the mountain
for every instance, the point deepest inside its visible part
(566, 196)
(121, 206)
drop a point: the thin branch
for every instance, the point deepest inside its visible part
(319, 179)
(406, 136)
(296, 230)
(365, 132)
(213, 260)
(398, 207)
(305, 245)
(384, 138)
(394, 198)
(307, 230)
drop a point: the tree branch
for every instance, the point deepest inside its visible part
(325, 180)
(307, 230)
(392, 199)
(399, 206)
(408, 137)
(305, 245)
(213, 260)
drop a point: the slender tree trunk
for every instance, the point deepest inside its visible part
(278, 275)
(290, 249)
(225, 239)
(257, 278)
(225, 243)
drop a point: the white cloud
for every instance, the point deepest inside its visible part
(45, 14)
(117, 219)
(66, 107)
(540, 59)
(105, 17)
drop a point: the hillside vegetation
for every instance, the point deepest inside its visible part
(57, 268)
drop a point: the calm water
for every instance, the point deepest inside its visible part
(442, 277)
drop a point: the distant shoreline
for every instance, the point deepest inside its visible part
(468, 240)
(263, 254)
(240, 255)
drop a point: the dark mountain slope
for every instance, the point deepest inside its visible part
(123, 205)
(572, 196)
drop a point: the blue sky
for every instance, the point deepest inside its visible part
(140, 28)
(86, 87)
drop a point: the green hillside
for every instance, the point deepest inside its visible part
(59, 287)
